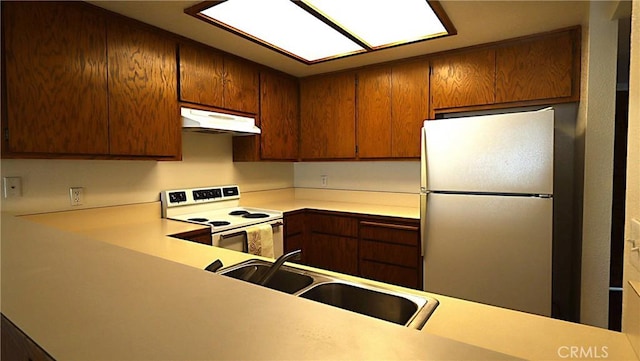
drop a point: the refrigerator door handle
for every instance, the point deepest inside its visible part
(423, 161)
(423, 221)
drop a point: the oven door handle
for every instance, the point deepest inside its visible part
(236, 234)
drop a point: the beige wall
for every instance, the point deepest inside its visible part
(631, 301)
(207, 160)
(400, 177)
(595, 130)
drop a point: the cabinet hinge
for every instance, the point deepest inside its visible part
(6, 133)
(356, 150)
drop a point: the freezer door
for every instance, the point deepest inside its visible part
(506, 153)
(489, 249)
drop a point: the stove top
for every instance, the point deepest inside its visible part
(224, 219)
(217, 207)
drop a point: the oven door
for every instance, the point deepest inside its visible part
(236, 239)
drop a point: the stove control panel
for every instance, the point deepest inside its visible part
(207, 194)
(185, 197)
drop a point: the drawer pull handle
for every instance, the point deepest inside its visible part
(387, 225)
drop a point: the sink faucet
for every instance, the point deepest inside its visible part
(262, 280)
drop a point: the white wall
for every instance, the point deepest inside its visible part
(207, 160)
(631, 301)
(595, 129)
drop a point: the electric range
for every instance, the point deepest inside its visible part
(219, 208)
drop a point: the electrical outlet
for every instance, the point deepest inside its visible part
(324, 180)
(634, 239)
(12, 187)
(76, 194)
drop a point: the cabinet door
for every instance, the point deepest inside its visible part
(279, 116)
(240, 85)
(56, 81)
(294, 233)
(200, 75)
(541, 68)
(144, 118)
(334, 253)
(332, 242)
(464, 79)
(374, 113)
(327, 117)
(410, 107)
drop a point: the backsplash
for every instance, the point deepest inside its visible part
(207, 160)
(399, 177)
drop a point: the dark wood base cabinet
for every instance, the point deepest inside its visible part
(17, 346)
(199, 236)
(385, 249)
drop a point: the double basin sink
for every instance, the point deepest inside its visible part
(401, 308)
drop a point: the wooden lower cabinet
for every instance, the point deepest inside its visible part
(334, 253)
(385, 249)
(390, 252)
(17, 346)
(294, 233)
(332, 242)
(199, 236)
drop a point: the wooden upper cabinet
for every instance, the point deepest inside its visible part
(392, 104)
(540, 68)
(201, 75)
(410, 105)
(374, 113)
(463, 79)
(211, 78)
(279, 121)
(240, 91)
(56, 79)
(279, 116)
(327, 117)
(144, 118)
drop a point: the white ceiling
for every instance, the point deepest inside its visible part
(476, 21)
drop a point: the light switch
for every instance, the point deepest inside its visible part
(12, 187)
(634, 246)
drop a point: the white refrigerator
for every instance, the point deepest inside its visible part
(486, 199)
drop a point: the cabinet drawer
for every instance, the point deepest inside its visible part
(336, 225)
(389, 253)
(402, 276)
(392, 233)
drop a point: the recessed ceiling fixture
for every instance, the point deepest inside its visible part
(314, 31)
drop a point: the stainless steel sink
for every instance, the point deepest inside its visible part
(284, 280)
(398, 307)
(386, 306)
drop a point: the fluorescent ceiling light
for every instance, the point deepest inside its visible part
(382, 22)
(317, 30)
(282, 24)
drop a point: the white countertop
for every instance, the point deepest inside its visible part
(73, 284)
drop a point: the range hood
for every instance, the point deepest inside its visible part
(204, 121)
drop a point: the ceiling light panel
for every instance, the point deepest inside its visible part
(382, 23)
(284, 25)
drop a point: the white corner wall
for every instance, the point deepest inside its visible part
(207, 160)
(595, 128)
(631, 300)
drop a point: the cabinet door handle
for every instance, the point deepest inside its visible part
(393, 226)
